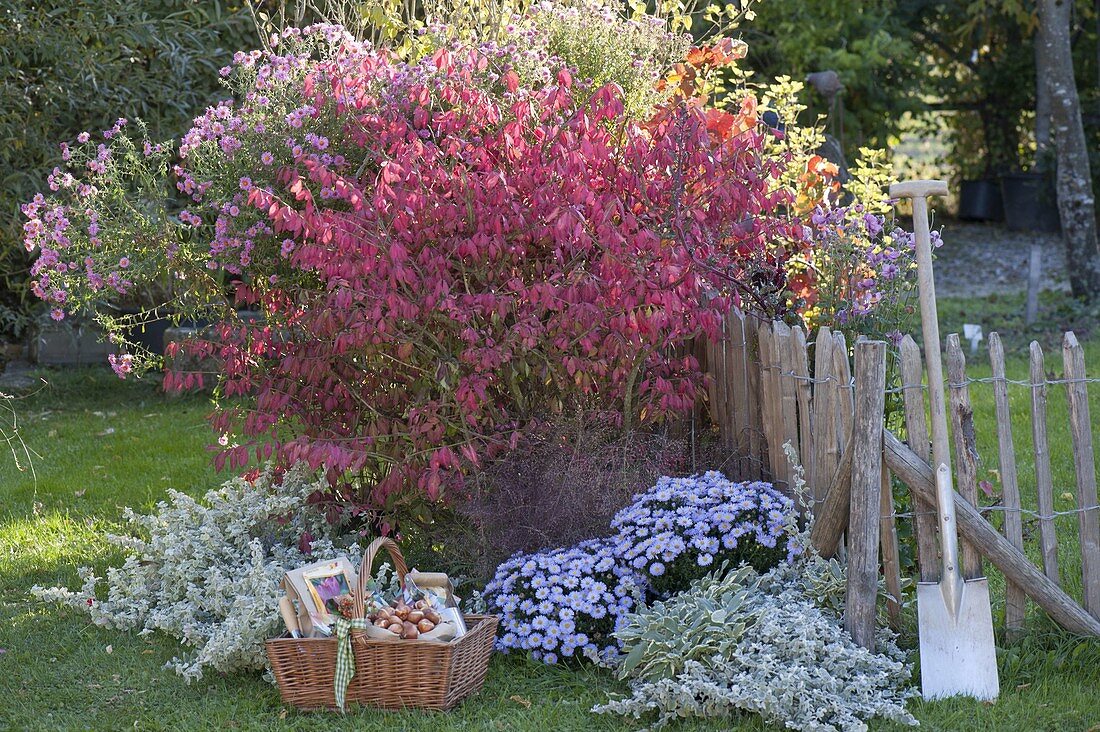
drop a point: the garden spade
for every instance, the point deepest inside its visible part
(954, 620)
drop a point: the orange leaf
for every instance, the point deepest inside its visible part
(696, 56)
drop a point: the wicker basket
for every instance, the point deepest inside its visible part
(389, 673)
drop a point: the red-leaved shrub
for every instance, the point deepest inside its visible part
(443, 251)
(447, 254)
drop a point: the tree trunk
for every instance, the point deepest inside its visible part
(1076, 204)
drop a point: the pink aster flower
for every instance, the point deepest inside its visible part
(121, 365)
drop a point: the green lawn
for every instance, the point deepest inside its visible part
(102, 444)
(1058, 313)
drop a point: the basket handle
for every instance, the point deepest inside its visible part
(367, 565)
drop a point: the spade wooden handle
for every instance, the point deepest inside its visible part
(290, 618)
(918, 189)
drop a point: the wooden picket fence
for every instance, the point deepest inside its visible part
(771, 385)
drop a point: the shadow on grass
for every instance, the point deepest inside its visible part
(104, 444)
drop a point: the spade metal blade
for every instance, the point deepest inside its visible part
(957, 652)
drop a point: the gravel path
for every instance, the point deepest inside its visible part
(977, 260)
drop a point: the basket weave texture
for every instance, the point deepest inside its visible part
(389, 673)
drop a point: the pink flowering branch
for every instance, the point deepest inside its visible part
(444, 253)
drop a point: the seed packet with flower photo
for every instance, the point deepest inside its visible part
(326, 583)
(311, 588)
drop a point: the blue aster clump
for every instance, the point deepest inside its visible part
(683, 528)
(563, 603)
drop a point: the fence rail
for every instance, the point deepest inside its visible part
(772, 385)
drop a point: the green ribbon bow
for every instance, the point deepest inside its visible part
(345, 658)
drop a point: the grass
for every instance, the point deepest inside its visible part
(1004, 315)
(1058, 312)
(103, 444)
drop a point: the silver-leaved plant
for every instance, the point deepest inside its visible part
(771, 644)
(207, 572)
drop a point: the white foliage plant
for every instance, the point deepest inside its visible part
(206, 572)
(774, 645)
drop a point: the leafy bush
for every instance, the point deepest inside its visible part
(441, 254)
(563, 603)
(592, 38)
(68, 67)
(794, 664)
(207, 572)
(679, 530)
(863, 278)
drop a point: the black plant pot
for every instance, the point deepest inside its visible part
(150, 335)
(980, 200)
(1030, 202)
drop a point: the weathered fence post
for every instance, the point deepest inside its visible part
(800, 362)
(835, 428)
(1015, 599)
(757, 444)
(737, 363)
(891, 554)
(863, 523)
(715, 377)
(717, 385)
(788, 401)
(1034, 282)
(966, 451)
(1088, 515)
(916, 428)
(823, 417)
(771, 404)
(728, 394)
(842, 369)
(1044, 484)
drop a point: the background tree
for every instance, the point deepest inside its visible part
(1076, 202)
(868, 46)
(69, 67)
(979, 71)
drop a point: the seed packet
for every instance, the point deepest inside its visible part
(313, 586)
(326, 583)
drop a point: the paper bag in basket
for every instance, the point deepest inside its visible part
(436, 588)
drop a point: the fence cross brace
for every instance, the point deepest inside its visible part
(917, 474)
